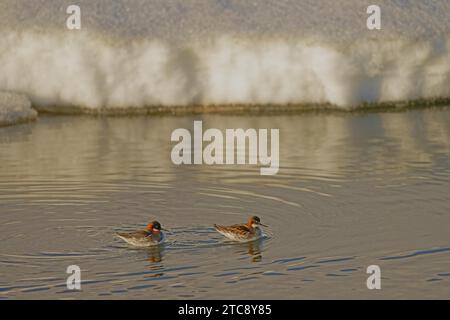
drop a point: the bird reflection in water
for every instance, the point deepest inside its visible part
(154, 254)
(252, 248)
(154, 257)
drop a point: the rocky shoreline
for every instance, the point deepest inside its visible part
(15, 108)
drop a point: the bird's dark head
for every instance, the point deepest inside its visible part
(154, 226)
(255, 222)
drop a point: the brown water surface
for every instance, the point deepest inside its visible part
(353, 190)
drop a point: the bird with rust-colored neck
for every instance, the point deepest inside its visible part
(242, 232)
(151, 236)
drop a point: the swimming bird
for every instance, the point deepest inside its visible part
(152, 236)
(242, 232)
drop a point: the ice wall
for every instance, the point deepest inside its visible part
(136, 53)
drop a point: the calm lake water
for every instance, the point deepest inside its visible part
(353, 190)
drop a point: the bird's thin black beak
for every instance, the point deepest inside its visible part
(263, 225)
(163, 229)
